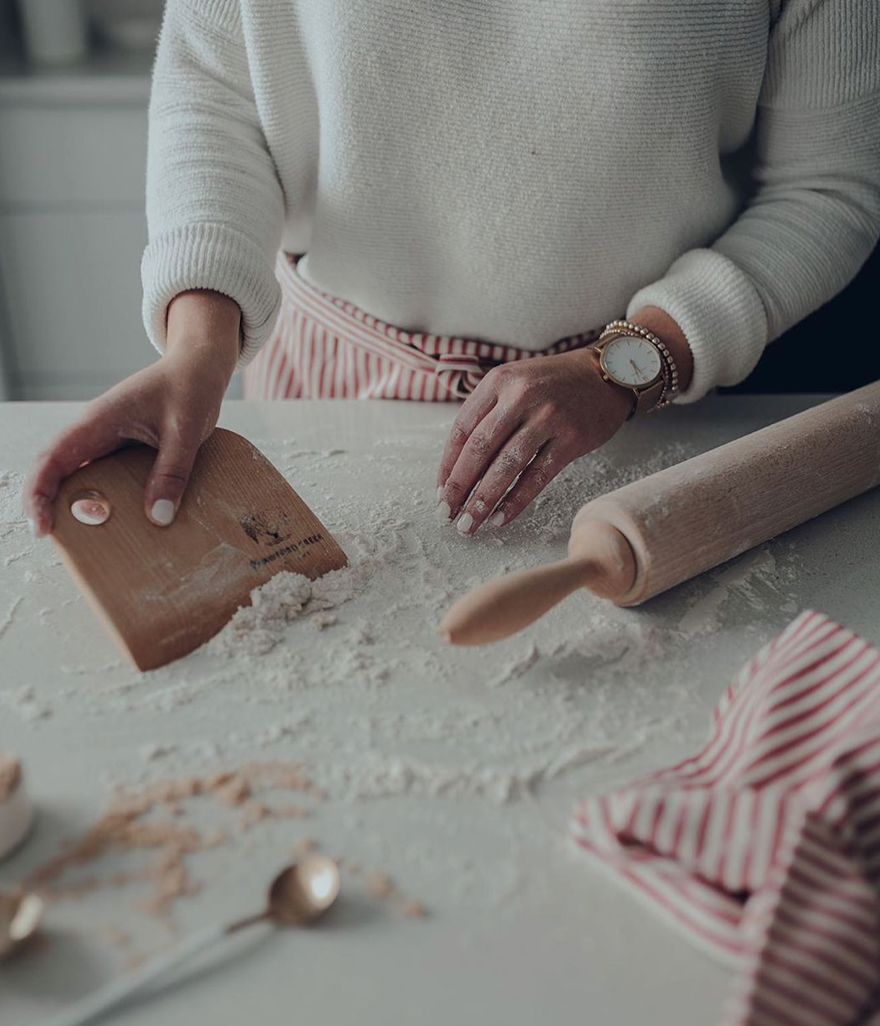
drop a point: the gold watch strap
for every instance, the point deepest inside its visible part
(647, 398)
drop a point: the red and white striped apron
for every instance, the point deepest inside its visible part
(327, 348)
(765, 846)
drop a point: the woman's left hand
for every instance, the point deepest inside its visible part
(523, 423)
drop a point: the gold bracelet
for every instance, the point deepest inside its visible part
(669, 370)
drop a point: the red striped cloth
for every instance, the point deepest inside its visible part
(764, 847)
(324, 347)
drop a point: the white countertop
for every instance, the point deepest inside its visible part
(522, 929)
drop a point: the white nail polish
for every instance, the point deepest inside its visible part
(444, 512)
(465, 523)
(497, 519)
(440, 491)
(162, 512)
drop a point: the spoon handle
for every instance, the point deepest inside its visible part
(113, 993)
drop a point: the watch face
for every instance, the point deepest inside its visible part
(631, 361)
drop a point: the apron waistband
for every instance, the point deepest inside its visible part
(460, 363)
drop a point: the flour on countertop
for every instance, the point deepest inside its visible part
(744, 576)
(517, 667)
(6, 622)
(25, 702)
(256, 629)
(348, 674)
(382, 777)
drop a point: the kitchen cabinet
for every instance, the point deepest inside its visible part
(72, 226)
(74, 293)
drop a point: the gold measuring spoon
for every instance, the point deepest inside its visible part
(20, 917)
(298, 896)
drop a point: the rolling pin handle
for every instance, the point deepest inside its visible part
(600, 558)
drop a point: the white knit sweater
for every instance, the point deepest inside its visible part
(519, 170)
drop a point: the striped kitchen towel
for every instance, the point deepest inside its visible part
(764, 847)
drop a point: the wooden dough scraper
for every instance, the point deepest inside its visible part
(163, 591)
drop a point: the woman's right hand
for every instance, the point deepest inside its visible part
(171, 405)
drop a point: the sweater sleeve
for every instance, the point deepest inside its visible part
(813, 217)
(215, 207)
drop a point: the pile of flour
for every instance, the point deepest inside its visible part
(256, 629)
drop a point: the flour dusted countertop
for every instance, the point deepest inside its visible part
(443, 776)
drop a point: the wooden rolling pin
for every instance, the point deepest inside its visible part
(650, 535)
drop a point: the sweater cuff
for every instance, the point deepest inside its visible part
(720, 313)
(210, 256)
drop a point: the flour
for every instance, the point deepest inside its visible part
(382, 777)
(347, 676)
(743, 577)
(152, 752)
(517, 667)
(26, 703)
(11, 511)
(14, 557)
(608, 645)
(6, 622)
(555, 507)
(256, 629)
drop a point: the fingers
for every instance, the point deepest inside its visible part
(537, 475)
(170, 475)
(477, 405)
(84, 441)
(511, 461)
(97, 436)
(476, 456)
(524, 423)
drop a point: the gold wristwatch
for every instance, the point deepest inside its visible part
(633, 358)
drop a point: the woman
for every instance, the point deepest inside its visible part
(464, 193)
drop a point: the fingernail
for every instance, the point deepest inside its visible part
(497, 519)
(162, 512)
(465, 523)
(444, 512)
(440, 491)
